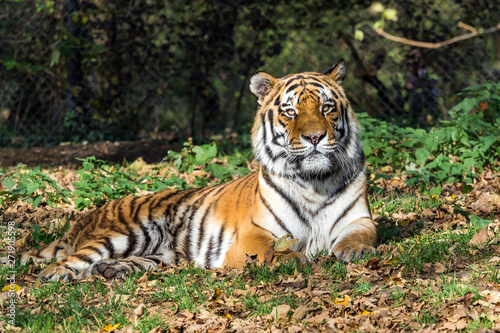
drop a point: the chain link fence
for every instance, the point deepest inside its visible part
(73, 70)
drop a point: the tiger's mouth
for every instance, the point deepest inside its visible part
(315, 152)
(315, 162)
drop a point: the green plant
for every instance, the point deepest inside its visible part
(452, 151)
(31, 185)
(190, 156)
(200, 156)
(361, 288)
(100, 182)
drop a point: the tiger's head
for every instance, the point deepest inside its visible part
(305, 125)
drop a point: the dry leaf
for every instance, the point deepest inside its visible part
(439, 268)
(139, 311)
(280, 311)
(283, 244)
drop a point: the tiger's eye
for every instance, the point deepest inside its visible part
(325, 108)
(290, 113)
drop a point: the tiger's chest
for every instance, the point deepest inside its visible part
(315, 218)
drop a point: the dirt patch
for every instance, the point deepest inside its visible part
(149, 149)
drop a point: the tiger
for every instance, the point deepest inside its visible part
(311, 186)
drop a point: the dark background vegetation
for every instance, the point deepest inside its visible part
(78, 70)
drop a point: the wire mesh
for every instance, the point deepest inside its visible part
(73, 70)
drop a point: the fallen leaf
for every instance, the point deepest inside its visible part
(110, 327)
(365, 313)
(344, 301)
(283, 244)
(480, 238)
(139, 311)
(301, 312)
(439, 268)
(280, 311)
(11, 287)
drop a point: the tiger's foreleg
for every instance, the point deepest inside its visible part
(70, 267)
(120, 268)
(357, 240)
(57, 249)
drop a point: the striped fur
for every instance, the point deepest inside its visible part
(311, 185)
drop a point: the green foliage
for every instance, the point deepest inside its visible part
(195, 156)
(31, 185)
(451, 152)
(189, 156)
(100, 182)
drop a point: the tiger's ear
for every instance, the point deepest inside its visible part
(260, 85)
(337, 72)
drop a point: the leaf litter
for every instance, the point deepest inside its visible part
(459, 292)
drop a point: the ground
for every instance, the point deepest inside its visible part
(437, 268)
(149, 149)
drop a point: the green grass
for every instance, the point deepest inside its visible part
(361, 288)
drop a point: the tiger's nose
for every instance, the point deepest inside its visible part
(313, 138)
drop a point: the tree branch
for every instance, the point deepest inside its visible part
(436, 45)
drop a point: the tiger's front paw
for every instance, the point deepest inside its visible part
(292, 255)
(56, 272)
(111, 269)
(354, 251)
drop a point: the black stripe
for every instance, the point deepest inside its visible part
(68, 267)
(278, 220)
(154, 259)
(109, 246)
(277, 100)
(292, 87)
(269, 153)
(93, 248)
(344, 213)
(334, 93)
(313, 78)
(84, 257)
(132, 242)
(263, 122)
(316, 84)
(270, 117)
(281, 122)
(208, 257)
(258, 226)
(186, 249)
(162, 237)
(147, 239)
(220, 187)
(221, 238)
(134, 209)
(333, 242)
(138, 266)
(202, 228)
(57, 249)
(292, 203)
